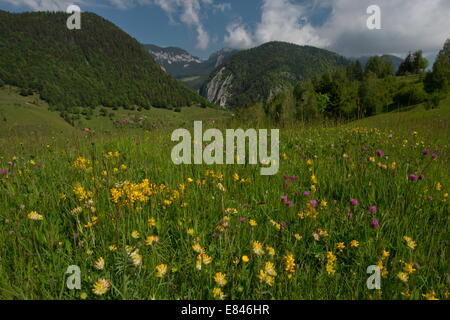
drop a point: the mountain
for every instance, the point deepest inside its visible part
(193, 71)
(396, 61)
(254, 75)
(97, 65)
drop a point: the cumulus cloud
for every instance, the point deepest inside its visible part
(281, 20)
(406, 25)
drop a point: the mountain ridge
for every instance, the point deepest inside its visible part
(97, 65)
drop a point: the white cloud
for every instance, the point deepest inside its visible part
(190, 12)
(238, 36)
(281, 20)
(406, 25)
(43, 5)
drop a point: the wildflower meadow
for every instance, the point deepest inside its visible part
(137, 226)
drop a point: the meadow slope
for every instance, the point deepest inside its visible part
(374, 192)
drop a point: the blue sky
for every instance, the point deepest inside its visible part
(204, 26)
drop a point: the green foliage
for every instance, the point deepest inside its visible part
(382, 67)
(413, 64)
(97, 65)
(274, 65)
(439, 79)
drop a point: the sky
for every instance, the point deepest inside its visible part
(205, 26)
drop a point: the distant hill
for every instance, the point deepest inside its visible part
(253, 75)
(97, 65)
(396, 61)
(192, 70)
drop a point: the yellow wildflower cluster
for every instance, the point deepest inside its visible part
(202, 257)
(81, 193)
(130, 193)
(33, 215)
(310, 212)
(331, 262)
(410, 242)
(268, 274)
(81, 163)
(381, 263)
(289, 265)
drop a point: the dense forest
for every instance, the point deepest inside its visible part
(356, 91)
(259, 72)
(99, 65)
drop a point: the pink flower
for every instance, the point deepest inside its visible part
(307, 194)
(413, 177)
(380, 153)
(354, 202)
(373, 209)
(313, 203)
(375, 224)
(434, 156)
(426, 152)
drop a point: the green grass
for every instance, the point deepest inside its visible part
(25, 116)
(43, 174)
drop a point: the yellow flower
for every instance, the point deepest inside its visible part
(136, 258)
(410, 243)
(135, 235)
(290, 265)
(221, 187)
(354, 244)
(245, 259)
(257, 248)
(298, 237)
(340, 246)
(123, 167)
(151, 240)
(151, 222)
(104, 173)
(99, 264)
(235, 177)
(323, 204)
(161, 270)
(409, 268)
(403, 276)
(33, 215)
(266, 278)
(218, 294)
(112, 247)
(253, 223)
(101, 287)
(190, 232)
(270, 251)
(430, 296)
(314, 179)
(219, 278)
(190, 180)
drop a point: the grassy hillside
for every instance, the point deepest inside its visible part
(435, 124)
(97, 65)
(26, 116)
